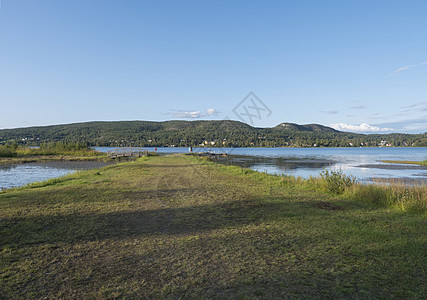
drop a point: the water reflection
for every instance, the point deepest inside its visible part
(285, 164)
(312, 166)
(5, 168)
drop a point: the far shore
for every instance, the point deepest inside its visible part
(44, 158)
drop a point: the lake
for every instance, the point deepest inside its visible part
(22, 174)
(363, 163)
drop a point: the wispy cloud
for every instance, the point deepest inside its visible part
(413, 125)
(419, 106)
(358, 107)
(192, 114)
(405, 68)
(330, 112)
(364, 127)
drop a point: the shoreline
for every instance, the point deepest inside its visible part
(44, 158)
(395, 166)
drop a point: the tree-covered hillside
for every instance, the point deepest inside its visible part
(210, 133)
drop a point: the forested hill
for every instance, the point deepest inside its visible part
(210, 133)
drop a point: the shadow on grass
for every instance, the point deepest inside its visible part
(285, 261)
(17, 231)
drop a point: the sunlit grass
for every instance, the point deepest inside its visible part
(385, 193)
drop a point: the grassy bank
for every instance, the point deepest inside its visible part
(181, 227)
(12, 154)
(406, 162)
(386, 194)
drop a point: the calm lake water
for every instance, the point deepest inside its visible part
(22, 174)
(364, 163)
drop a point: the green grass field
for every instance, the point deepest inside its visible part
(181, 227)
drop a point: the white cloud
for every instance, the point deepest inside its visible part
(186, 114)
(193, 114)
(364, 127)
(211, 111)
(405, 68)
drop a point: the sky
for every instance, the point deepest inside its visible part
(357, 66)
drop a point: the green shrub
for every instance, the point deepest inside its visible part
(336, 182)
(8, 150)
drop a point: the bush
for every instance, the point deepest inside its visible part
(336, 182)
(8, 150)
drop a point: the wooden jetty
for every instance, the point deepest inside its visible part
(126, 152)
(212, 154)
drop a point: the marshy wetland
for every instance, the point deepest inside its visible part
(368, 165)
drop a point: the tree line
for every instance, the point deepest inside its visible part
(196, 133)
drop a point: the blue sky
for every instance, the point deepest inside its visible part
(356, 65)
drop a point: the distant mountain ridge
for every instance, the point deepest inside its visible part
(225, 133)
(306, 127)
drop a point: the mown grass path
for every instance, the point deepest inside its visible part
(176, 227)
